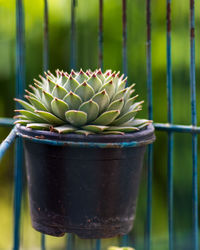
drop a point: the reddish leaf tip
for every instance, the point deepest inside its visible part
(99, 72)
(73, 72)
(118, 74)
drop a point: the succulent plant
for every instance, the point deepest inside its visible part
(81, 102)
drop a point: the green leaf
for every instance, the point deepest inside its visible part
(107, 73)
(122, 129)
(31, 115)
(95, 128)
(38, 83)
(102, 99)
(113, 133)
(116, 81)
(124, 118)
(81, 77)
(52, 84)
(76, 118)
(59, 108)
(71, 84)
(37, 92)
(137, 122)
(64, 129)
(100, 75)
(73, 73)
(136, 105)
(94, 82)
(20, 117)
(116, 105)
(59, 92)
(110, 88)
(61, 77)
(73, 100)
(130, 91)
(51, 75)
(39, 126)
(91, 108)
(89, 72)
(25, 104)
(107, 117)
(122, 84)
(128, 104)
(47, 99)
(110, 77)
(52, 119)
(36, 103)
(84, 132)
(85, 91)
(143, 125)
(30, 93)
(22, 122)
(45, 83)
(119, 94)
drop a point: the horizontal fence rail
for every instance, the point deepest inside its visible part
(170, 128)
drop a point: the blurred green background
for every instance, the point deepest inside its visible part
(87, 57)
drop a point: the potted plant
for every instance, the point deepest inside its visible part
(83, 151)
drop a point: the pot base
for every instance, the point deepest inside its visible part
(86, 233)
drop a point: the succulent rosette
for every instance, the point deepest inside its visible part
(81, 102)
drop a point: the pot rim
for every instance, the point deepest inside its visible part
(134, 139)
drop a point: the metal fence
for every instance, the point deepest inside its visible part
(168, 128)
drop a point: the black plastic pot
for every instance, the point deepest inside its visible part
(86, 185)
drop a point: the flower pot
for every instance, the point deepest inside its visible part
(86, 185)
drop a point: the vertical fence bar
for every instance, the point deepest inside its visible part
(150, 112)
(18, 173)
(45, 68)
(170, 134)
(73, 36)
(70, 242)
(194, 122)
(124, 241)
(20, 84)
(98, 244)
(71, 237)
(101, 34)
(124, 36)
(46, 37)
